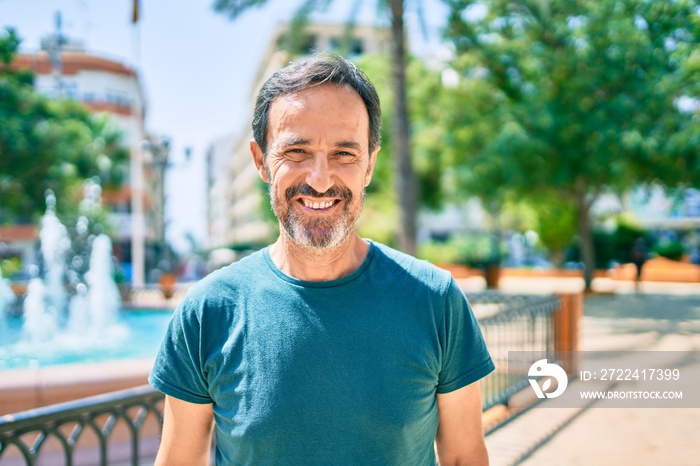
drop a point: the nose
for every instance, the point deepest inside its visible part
(319, 176)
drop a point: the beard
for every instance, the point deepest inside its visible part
(317, 232)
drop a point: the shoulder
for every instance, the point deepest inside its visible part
(417, 272)
(226, 282)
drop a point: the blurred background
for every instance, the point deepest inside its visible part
(514, 134)
(531, 147)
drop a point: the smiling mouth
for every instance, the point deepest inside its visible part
(319, 206)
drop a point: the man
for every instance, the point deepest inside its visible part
(323, 348)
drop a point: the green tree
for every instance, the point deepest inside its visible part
(405, 182)
(588, 96)
(47, 144)
(381, 213)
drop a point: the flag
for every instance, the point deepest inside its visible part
(135, 12)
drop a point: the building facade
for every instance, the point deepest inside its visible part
(108, 86)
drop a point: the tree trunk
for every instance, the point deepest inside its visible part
(405, 178)
(493, 263)
(585, 234)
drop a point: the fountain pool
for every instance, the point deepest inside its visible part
(71, 340)
(137, 335)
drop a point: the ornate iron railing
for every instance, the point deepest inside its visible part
(115, 428)
(512, 323)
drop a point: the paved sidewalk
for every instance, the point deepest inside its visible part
(662, 317)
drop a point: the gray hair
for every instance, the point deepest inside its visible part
(319, 69)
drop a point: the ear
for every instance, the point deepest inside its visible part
(370, 167)
(259, 159)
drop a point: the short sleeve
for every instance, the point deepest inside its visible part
(465, 358)
(177, 371)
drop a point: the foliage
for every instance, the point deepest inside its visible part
(442, 113)
(440, 252)
(376, 68)
(472, 249)
(379, 219)
(672, 249)
(583, 97)
(556, 221)
(552, 219)
(233, 8)
(426, 136)
(9, 267)
(265, 209)
(615, 246)
(48, 144)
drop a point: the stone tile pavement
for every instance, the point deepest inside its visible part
(661, 317)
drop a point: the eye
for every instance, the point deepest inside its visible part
(295, 153)
(344, 155)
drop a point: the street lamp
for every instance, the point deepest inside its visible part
(158, 151)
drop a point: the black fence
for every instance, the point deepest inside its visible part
(512, 323)
(118, 428)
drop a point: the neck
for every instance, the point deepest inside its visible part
(318, 265)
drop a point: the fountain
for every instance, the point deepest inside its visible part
(72, 339)
(92, 311)
(57, 325)
(94, 307)
(46, 299)
(7, 299)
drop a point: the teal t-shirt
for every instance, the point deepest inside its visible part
(337, 372)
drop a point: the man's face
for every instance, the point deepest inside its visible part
(318, 163)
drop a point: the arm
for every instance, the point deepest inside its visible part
(186, 433)
(460, 435)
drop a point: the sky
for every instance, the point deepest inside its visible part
(196, 68)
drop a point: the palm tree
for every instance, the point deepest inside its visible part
(405, 177)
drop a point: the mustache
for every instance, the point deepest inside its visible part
(306, 190)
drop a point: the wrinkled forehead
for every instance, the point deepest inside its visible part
(322, 106)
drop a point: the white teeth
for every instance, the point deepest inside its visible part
(317, 205)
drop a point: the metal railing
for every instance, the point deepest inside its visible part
(115, 428)
(512, 323)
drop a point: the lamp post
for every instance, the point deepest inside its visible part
(138, 233)
(158, 151)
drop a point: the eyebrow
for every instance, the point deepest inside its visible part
(349, 145)
(294, 142)
(300, 142)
